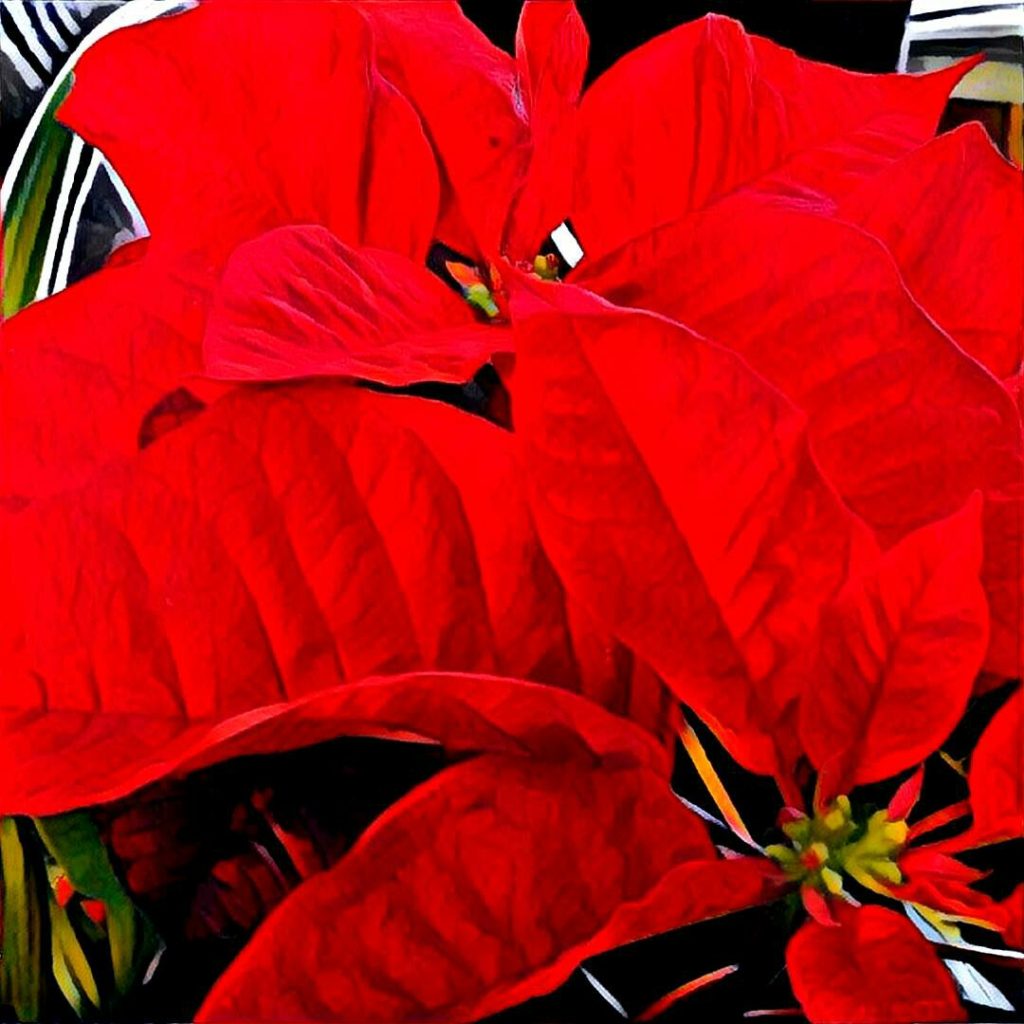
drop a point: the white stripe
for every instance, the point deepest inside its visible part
(28, 75)
(1007, 21)
(64, 267)
(50, 29)
(605, 994)
(568, 247)
(70, 169)
(65, 15)
(20, 16)
(973, 986)
(934, 6)
(976, 988)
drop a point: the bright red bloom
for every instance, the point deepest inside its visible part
(805, 191)
(218, 153)
(283, 542)
(676, 495)
(716, 495)
(290, 508)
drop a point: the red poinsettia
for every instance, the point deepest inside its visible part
(793, 151)
(320, 533)
(689, 488)
(857, 671)
(217, 154)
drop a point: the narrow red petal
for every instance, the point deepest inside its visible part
(904, 800)
(996, 778)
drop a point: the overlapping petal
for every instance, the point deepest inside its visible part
(951, 214)
(297, 125)
(902, 421)
(473, 113)
(296, 302)
(531, 867)
(899, 651)
(743, 112)
(676, 494)
(81, 370)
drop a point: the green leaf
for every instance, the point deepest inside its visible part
(75, 844)
(29, 214)
(70, 965)
(22, 926)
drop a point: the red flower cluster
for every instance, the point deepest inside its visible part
(765, 459)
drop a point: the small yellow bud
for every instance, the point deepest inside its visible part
(781, 854)
(896, 832)
(833, 881)
(545, 267)
(835, 819)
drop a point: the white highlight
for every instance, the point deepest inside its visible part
(605, 994)
(568, 247)
(972, 984)
(65, 16)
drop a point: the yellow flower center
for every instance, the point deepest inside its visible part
(832, 844)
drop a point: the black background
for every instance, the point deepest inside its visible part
(862, 36)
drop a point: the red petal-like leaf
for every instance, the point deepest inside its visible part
(899, 650)
(551, 51)
(706, 109)
(875, 967)
(467, 93)
(902, 421)
(677, 497)
(952, 215)
(82, 369)
(484, 887)
(296, 302)
(996, 777)
(282, 126)
(118, 753)
(284, 541)
(904, 800)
